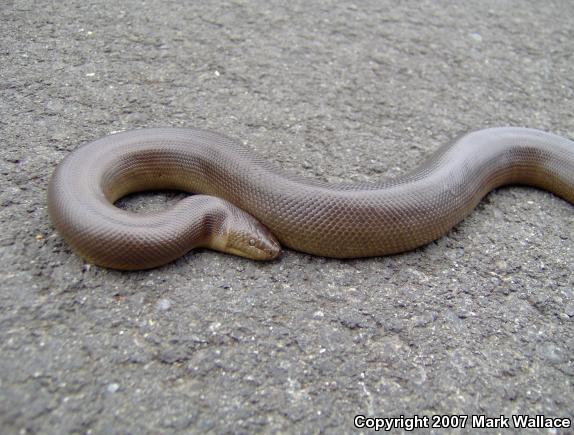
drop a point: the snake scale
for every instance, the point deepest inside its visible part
(246, 206)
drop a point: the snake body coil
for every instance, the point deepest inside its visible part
(244, 204)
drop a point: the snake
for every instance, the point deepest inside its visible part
(242, 204)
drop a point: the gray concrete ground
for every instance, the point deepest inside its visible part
(479, 322)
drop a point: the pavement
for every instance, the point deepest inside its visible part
(480, 322)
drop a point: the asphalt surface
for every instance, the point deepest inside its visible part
(479, 322)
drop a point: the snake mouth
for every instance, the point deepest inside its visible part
(266, 254)
(272, 248)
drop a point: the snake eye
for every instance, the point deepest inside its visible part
(251, 242)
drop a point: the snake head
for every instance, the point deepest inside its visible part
(241, 234)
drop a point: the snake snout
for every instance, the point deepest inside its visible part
(268, 246)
